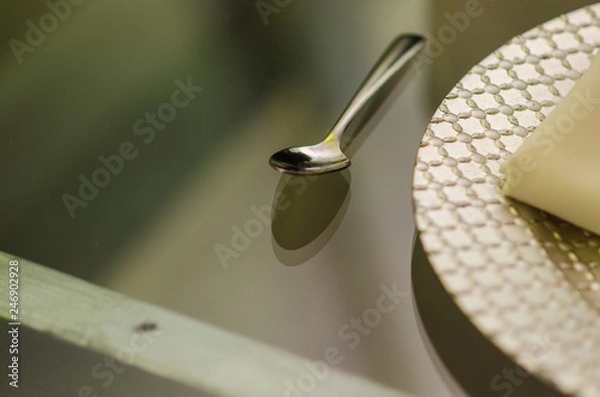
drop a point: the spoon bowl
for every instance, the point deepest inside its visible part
(321, 158)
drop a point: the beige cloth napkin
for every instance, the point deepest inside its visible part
(557, 169)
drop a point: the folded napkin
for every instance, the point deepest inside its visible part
(557, 169)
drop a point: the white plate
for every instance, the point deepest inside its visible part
(528, 281)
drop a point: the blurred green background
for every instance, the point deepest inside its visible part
(77, 95)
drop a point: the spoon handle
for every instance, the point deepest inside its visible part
(394, 59)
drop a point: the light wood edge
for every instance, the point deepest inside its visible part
(210, 360)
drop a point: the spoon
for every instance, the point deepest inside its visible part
(327, 156)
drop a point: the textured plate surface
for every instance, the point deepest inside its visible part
(528, 281)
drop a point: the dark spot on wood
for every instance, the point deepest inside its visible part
(145, 327)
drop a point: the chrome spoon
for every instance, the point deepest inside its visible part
(327, 156)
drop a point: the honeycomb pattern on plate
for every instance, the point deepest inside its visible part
(527, 280)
